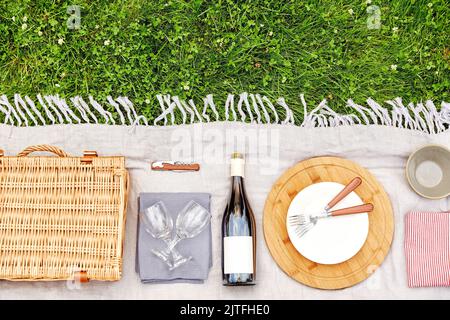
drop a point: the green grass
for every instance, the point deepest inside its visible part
(192, 48)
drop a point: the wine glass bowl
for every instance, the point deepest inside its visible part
(192, 220)
(157, 221)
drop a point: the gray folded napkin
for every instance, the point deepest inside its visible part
(152, 269)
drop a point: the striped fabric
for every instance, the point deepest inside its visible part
(427, 248)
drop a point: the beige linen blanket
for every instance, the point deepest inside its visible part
(270, 149)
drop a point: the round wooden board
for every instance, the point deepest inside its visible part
(337, 276)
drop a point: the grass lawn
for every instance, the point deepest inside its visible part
(140, 48)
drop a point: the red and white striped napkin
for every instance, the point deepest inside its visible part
(427, 248)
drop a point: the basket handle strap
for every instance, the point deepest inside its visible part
(42, 147)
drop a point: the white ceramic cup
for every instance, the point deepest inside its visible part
(428, 171)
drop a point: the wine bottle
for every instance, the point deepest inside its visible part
(238, 232)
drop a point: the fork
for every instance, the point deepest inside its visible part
(305, 223)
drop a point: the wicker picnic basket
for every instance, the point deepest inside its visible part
(62, 217)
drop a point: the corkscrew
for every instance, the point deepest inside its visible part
(177, 166)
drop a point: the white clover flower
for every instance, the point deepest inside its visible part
(261, 25)
(24, 26)
(351, 11)
(270, 33)
(107, 42)
(393, 67)
(25, 18)
(13, 19)
(97, 26)
(186, 87)
(60, 41)
(40, 33)
(394, 29)
(147, 101)
(57, 85)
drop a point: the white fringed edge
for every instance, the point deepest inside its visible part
(245, 107)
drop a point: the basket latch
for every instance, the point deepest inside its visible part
(81, 277)
(88, 156)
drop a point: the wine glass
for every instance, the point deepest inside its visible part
(191, 221)
(159, 225)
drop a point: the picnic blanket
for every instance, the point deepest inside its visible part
(274, 148)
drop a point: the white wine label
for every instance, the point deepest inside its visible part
(238, 254)
(237, 167)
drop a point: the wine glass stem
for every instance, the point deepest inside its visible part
(171, 243)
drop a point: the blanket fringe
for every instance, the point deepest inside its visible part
(253, 108)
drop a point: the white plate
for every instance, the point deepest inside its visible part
(332, 240)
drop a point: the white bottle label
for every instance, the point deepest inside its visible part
(237, 167)
(238, 254)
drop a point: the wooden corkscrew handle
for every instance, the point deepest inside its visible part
(352, 185)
